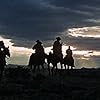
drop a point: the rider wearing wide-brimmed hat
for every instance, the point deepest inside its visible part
(57, 47)
(38, 47)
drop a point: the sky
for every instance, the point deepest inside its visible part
(76, 21)
(32, 19)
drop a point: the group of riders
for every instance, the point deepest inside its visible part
(55, 57)
(39, 51)
(57, 48)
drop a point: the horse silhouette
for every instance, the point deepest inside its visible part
(54, 60)
(3, 54)
(36, 61)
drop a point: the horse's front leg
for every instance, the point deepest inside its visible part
(52, 70)
(42, 66)
(71, 67)
(30, 66)
(61, 65)
(65, 66)
(54, 65)
(34, 68)
(68, 67)
(49, 68)
(1, 72)
(38, 67)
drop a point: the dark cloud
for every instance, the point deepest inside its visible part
(39, 18)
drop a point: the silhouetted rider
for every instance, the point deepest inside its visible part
(2, 58)
(69, 56)
(38, 47)
(2, 55)
(69, 51)
(57, 47)
(2, 45)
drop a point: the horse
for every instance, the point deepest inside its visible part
(54, 60)
(3, 54)
(36, 61)
(69, 61)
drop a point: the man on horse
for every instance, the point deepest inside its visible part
(57, 48)
(2, 58)
(39, 50)
(3, 52)
(37, 58)
(68, 59)
(69, 51)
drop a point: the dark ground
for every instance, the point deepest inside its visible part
(76, 84)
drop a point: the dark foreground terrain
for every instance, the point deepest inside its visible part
(76, 84)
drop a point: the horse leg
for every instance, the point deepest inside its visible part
(1, 72)
(52, 70)
(72, 66)
(65, 66)
(49, 68)
(56, 69)
(54, 65)
(42, 66)
(34, 68)
(38, 67)
(30, 66)
(68, 67)
(61, 65)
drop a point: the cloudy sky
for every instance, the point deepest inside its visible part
(40, 18)
(27, 20)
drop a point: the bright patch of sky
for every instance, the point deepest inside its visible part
(20, 55)
(85, 32)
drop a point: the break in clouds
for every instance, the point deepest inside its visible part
(44, 19)
(86, 38)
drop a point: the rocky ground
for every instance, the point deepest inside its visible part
(76, 84)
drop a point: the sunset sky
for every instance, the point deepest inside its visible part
(33, 19)
(77, 22)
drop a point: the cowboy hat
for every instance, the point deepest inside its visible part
(38, 41)
(58, 38)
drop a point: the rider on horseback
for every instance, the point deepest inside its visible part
(2, 53)
(39, 50)
(2, 45)
(69, 51)
(57, 47)
(68, 59)
(2, 58)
